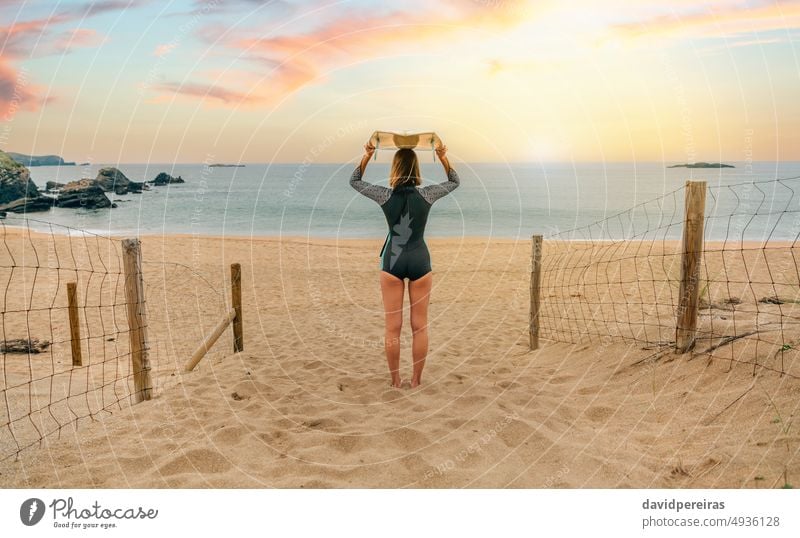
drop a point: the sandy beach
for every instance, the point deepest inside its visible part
(307, 403)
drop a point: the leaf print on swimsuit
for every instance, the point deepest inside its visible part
(403, 231)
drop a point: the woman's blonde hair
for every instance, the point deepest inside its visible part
(405, 169)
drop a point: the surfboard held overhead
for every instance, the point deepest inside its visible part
(394, 140)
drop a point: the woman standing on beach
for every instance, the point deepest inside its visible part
(405, 254)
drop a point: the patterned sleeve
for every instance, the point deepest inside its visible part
(375, 192)
(431, 193)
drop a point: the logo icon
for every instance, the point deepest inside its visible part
(31, 511)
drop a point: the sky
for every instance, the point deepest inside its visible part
(122, 81)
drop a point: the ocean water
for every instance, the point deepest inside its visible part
(499, 200)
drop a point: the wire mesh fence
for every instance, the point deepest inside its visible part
(621, 277)
(43, 388)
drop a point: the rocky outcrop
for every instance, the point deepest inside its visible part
(84, 193)
(53, 185)
(39, 160)
(15, 181)
(28, 205)
(165, 179)
(112, 180)
(18, 194)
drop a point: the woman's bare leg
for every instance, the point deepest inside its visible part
(393, 289)
(419, 294)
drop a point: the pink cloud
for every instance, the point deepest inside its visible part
(296, 60)
(19, 38)
(742, 19)
(73, 39)
(37, 37)
(207, 92)
(16, 92)
(164, 49)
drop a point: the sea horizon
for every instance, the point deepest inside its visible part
(500, 200)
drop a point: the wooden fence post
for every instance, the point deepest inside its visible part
(74, 323)
(201, 351)
(691, 253)
(236, 302)
(536, 279)
(137, 318)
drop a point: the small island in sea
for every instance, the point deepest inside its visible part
(702, 165)
(223, 165)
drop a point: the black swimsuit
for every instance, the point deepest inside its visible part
(404, 253)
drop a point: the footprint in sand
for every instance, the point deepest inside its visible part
(455, 423)
(347, 443)
(229, 435)
(508, 385)
(321, 424)
(599, 413)
(197, 460)
(134, 464)
(560, 379)
(408, 438)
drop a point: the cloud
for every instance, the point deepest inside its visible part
(277, 8)
(164, 49)
(207, 92)
(737, 43)
(295, 60)
(25, 40)
(66, 42)
(90, 9)
(20, 37)
(711, 22)
(40, 37)
(16, 92)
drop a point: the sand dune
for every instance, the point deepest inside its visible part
(307, 404)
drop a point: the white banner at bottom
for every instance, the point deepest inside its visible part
(398, 513)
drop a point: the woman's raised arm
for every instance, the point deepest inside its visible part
(369, 149)
(373, 192)
(431, 193)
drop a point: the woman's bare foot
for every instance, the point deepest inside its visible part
(415, 383)
(396, 382)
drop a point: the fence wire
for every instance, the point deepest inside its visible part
(41, 392)
(620, 277)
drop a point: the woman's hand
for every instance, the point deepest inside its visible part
(369, 149)
(442, 153)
